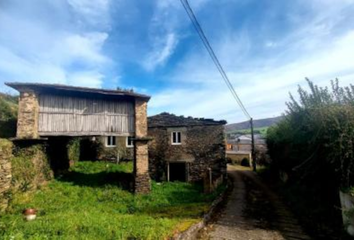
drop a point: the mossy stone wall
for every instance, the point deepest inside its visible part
(5, 172)
(30, 167)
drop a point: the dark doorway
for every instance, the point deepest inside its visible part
(88, 149)
(177, 171)
(58, 153)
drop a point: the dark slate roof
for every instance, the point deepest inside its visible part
(170, 120)
(44, 87)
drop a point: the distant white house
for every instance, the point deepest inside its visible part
(243, 143)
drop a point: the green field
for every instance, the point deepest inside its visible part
(90, 203)
(261, 130)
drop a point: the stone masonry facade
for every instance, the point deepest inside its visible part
(5, 172)
(28, 108)
(142, 182)
(207, 145)
(202, 147)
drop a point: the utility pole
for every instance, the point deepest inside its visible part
(254, 165)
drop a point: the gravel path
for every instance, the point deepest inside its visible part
(252, 212)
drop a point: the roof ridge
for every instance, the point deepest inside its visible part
(18, 85)
(169, 119)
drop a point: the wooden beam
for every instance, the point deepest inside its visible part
(168, 171)
(83, 134)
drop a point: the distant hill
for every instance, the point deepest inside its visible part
(260, 123)
(8, 106)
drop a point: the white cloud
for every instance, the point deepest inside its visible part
(88, 78)
(92, 12)
(64, 47)
(264, 89)
(65, 41)
(162, 37)
(85, 47)
(270, 44)
(162, 51)
(165, 32)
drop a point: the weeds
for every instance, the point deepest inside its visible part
(75, 207)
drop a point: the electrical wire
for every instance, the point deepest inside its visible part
(210, 50)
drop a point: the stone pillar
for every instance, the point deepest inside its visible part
(5, 172)
(28, 108)
(141, 127)
(141, 165)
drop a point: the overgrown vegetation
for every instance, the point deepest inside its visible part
(88, 204)
(313, 149)
(317, 134)
(8, 115)
(74, 150)
(30, 168)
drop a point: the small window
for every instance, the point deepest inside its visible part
(130, 142)
(111, 141)
(176, 138)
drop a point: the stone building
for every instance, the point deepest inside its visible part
(186, 148)
(54, 112)
(243, 143)
(116, 148)
(107, 148)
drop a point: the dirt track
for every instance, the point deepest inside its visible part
(252, 211)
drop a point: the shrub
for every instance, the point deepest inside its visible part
(30, 168)
(245, 162)
(8, 116)
(74, 149)
(316, 137)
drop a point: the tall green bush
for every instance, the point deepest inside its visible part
(74, 149)
(30, 168)
(317, 134)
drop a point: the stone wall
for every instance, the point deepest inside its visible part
(237, 157)
(5, 172)
(24, 166)
(140, 118)
(141, 165)
(141, 168)
(158, 152)
(202, 148)
(28, 108)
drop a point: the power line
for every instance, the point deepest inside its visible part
(212, 55)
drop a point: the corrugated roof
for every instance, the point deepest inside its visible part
(60, 87)
(170, 120)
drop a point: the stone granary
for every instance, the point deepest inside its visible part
(186, 148)
(48, 111)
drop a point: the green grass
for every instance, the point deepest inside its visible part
(261, 130)
(90, 203)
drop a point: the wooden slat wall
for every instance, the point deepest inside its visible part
(70, 116)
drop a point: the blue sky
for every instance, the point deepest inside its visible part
(266, 47)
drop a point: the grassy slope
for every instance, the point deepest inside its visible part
(93, 207)
(8, 115)
(8, 106)
(261, 130)
(257, 123)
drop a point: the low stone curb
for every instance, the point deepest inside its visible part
(190, 233)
